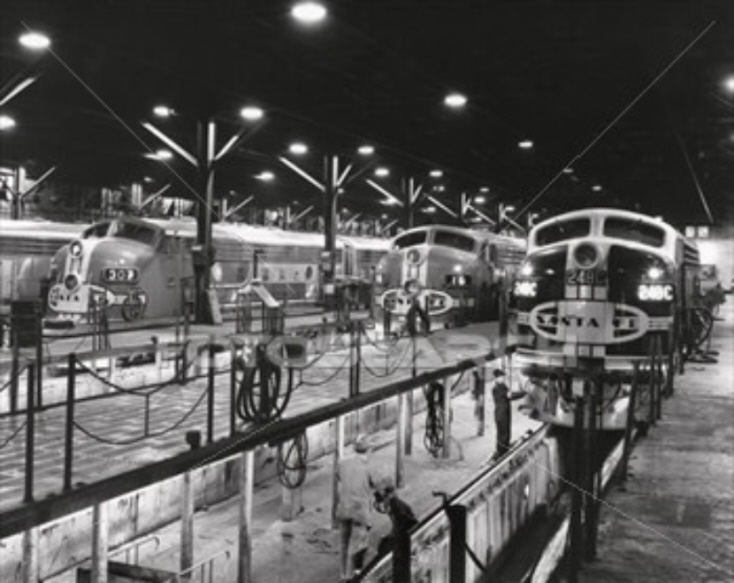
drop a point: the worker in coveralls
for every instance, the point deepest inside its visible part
(502, 412)
(416, 310)
(354, 509)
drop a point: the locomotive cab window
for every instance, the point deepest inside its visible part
(454, 240)
(96, 231)
(562, 230)
(634, 230)
(135, 232)
(410, 239)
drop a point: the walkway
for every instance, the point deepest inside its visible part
(674, 520)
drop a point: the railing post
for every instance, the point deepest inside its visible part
(30, 555)
(244, 564)
(446, 449)
(38, 323)
(69, 435)
(400, 443)
(210, 393)
(338, 455)
(479, 392)
(30, 435)
(624, 466)
(232, 388)
(99, 543)
(14, 369)
(187, 524)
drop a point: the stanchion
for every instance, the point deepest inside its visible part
(446, 395)
(187, 523)
(99, 543)
(14, 370)
(244, 564)
(30, 436)
(591, 509)
(210, 394)
(38, 323)
(30, 556)
(400, 443)
(577, 492)
(624, 466)
(69, 434)
(338, 455)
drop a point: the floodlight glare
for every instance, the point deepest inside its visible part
(162, 111)
(35, 41)
(308, 12)
(455, 100)
(298, 148)
(251, 113)
(6, 122)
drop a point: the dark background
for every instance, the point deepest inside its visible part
(557, 73)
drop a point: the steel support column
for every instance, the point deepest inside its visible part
(205, 142)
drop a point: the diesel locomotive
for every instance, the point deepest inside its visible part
(455, 274)
(143, 269)
(601, 290)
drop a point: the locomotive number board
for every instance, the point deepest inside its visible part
(120, 275)
(586, 277)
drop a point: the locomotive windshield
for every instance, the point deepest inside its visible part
(410, 239)
(634, 230)
(134, 231)
(454, 240)
(96, 231)
(562, 230)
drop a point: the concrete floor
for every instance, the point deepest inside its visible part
(674, 519)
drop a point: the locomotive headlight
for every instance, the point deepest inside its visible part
(75, 249)
(526, 289)
(654, 273)
(655, 292)
(457, 268)
(71, 282)
(585, 255)
(461, 280)
(527, 269)
(378, 277)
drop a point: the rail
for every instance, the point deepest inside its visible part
(204, 569)
(71, 499)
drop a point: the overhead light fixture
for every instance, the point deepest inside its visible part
(366, 150)
(265, 176)
(309, 12)
(251, 113)
(298, 148)
(163, 111)
(484, 189)
(568, 170)
(429, 209)
(436, 173)
(480, 199)
(525, 144)
(164, 154)
(382, 172)
(6, 122)
(596, 188)
(35, 40)
(455, 100)
(729, 84)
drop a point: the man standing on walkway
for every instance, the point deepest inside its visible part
(354, 508)
(502, 412)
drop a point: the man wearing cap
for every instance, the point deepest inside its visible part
(354, 508)
(502, 412)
